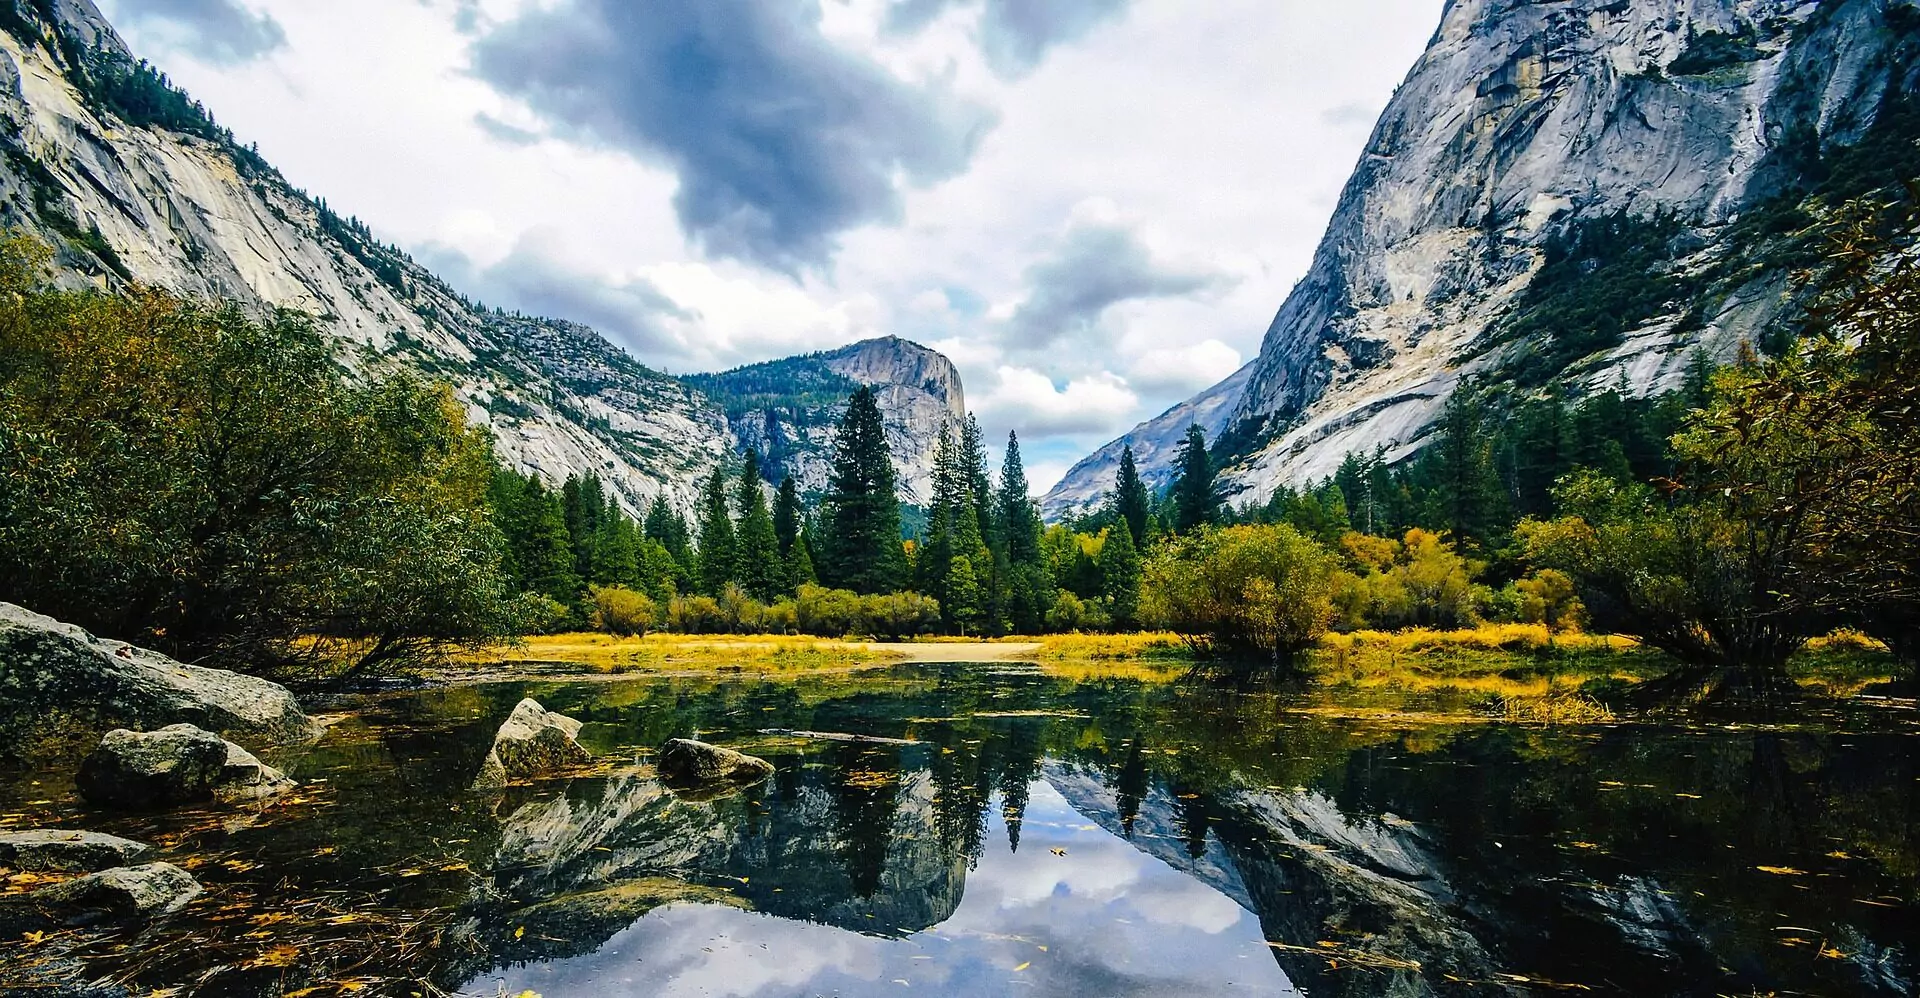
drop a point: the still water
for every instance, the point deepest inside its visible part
(995, 830)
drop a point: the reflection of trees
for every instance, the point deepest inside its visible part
(865, 783)
(1020, 766)
(1130, 786)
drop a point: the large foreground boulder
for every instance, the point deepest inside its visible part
(115, 895)
(534, 740)
(690, 763)
(55, 678)
(245, 778)
(179, 764)
(55, 850)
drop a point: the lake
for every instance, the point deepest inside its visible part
(997, 829)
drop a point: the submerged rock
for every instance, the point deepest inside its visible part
(56, 678)
(534, 740)
(55, 850)
(245, 778)
(118, 894)
(178, 764)
(685, 761)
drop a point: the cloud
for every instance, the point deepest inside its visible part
(512, 135)
(1030, 402)
(535, 278)
(1013, 35)
(1096, 266)
(781, 139)
(1184, 370)
(222, 32)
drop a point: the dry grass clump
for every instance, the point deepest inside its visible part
(1556, 707)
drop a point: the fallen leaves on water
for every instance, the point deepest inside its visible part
(1023, 966)
(1781, 871)
(1057, 851)
(279, 956)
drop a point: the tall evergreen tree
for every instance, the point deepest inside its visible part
(797, 564)
(1130, 499)
(1120, 575)
(1029, 592)
(861, 548)
(1195, 496)
(540, 549)
(757, 554)
(717, 558)
(1466, 496)
(787, 514)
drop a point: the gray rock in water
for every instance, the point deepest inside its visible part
(245, 778)
(56, 677)
(534, 740)
(54, 850)
(685, 761)
(178, 764)
(111, 895)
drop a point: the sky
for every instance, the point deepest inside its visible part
(1094, 207)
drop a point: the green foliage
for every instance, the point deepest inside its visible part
(1242, 592)
(1708, 51)
(860, 546)
(1602, 278)
(1130, 500)
(208, 482)
(1120, 576)
(758, 566)
(1195, 495)
(621, 611)
(718, 554)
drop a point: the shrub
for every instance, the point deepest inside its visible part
(827, 613)
(618, 610)
(901, 615)
(1243, 591)
(696, 615)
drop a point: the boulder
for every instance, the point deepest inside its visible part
(56, 677)
(53, 850)
(245, 778)
(118, 894)
(688, 762)
(534, 740)
(178, 764)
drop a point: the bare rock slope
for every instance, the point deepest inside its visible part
(1680, 152)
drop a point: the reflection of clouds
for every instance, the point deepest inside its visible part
(1112, 921)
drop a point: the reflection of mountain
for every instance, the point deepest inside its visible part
(1310, 874)
(851, 843)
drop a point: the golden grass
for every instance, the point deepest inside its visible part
(698, 653)
(1557, 707)
(1164, 647)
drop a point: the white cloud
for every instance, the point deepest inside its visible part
(1028, 401)
(1211, 137)
(1184, 370)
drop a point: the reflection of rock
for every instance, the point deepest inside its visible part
(573, 924)
(684, 761)
(534, 741)
(601, 832)
(245, 778)
(178, 764)
(54, 674)
(1310, 874)
(122, 893)
(1314, 874)
(59, 851)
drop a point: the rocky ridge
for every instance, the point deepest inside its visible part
(127, 193)
(1712, 134)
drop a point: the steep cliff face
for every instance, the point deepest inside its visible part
(1586, 191)
(787, 409)
(130, 181)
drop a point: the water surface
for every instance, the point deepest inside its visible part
(993, 830)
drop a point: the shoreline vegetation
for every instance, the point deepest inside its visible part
(1521, 673)
(217, 485)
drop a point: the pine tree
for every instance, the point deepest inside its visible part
(861, 548)
(787, 514)
(757, 555)
(1029, 595)
(717, 556)
(1466, 495)
(1195, 497)
(535, 525)
(1130, 499)
(964, 596)
(1120, 576)
(798, 564)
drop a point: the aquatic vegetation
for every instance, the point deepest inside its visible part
(712, 652)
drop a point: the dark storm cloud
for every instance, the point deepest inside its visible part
(1014, 35)
(781, 139)
(1095, 268)
(222, 31)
